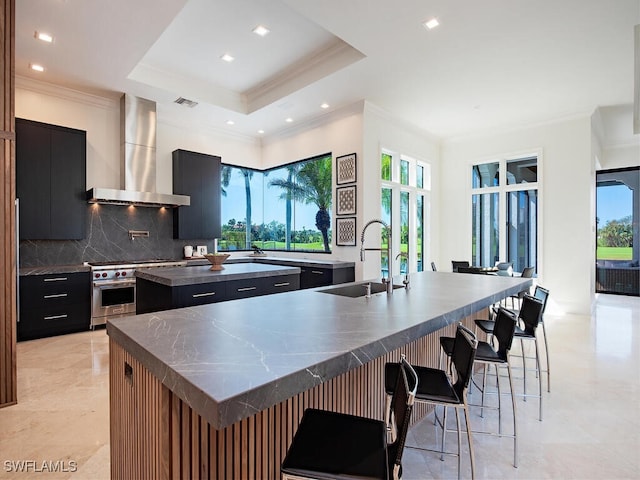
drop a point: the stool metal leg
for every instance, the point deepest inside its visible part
(546, 348)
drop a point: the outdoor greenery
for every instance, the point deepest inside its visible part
(303, 183)
(615, 240)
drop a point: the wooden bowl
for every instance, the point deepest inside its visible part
(216, 260)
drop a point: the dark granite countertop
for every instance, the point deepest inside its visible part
(54, 269)
(178, 276)
(231, 359)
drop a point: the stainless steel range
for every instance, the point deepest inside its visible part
(114, 287)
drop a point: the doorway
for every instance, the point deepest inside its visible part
(617, 231)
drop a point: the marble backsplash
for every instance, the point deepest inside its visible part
(107, 239)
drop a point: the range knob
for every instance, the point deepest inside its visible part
(104, 274)
(97, 275)
(118, 274)
(124, 274)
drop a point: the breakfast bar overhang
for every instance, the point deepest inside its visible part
(217, 391)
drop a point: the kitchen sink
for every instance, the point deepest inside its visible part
(358, 289)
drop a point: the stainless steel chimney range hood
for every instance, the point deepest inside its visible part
(138, 160)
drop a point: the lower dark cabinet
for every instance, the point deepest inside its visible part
(311, 277)
(154, 297)
(54, 304)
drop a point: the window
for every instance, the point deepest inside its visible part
(405, 185)
(505, 193)
(283, 208)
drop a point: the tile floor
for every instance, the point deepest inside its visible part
(590, 428)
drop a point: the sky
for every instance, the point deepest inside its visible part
(234, 204)
(613, 203)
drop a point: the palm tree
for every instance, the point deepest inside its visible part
(288, 195)
(314, 186)
(247, 174)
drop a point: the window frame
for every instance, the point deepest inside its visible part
(414, 191)
(503, 189)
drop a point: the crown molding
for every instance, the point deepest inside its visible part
(315, 122)
(65, 93)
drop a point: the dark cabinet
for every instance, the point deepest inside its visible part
(54, 304)
(311, 277)
(253, 287)
(197, 175)
(50, 181)
(154, 297)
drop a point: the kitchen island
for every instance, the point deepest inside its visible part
(217, 391)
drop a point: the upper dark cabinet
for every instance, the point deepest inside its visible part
(197, 175)
(50, 181)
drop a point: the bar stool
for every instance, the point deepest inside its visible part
(530, 315)
(436, 387)
(542, 294)
(486, 354)
(340, 446)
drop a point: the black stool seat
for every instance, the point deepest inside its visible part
(433, 383)
(321, 436)
(484, 352)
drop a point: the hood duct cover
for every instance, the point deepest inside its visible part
(138, 160)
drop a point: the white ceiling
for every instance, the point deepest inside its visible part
(490, 65)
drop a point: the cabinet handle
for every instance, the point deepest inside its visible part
(283, 284)
(56, 279)
(208, 294)
(57, 295)
(56, 317)
(246, 289)
(317, 272)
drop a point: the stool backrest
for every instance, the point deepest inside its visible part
(503, 331)
(527, 272)
(401, 406)
(462, 358)
(531, 313)
(541, 293)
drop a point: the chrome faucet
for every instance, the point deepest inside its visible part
(406, 273)
(389, 280)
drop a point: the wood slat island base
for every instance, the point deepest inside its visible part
(154, 434)
(218, 390)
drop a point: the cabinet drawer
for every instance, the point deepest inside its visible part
(46, 291)
(315, 277)
(201, 294)
(58, 320)
(250, 287)
(282, 283)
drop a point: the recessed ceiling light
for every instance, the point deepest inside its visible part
(324, 105)
(36, 67)
(289, 120)
(45, 37)
(261, 30)
(227, 58)
(230, 122)
(260, 132)
(431, 24)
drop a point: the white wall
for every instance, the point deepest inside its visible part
(566, 173)
(384, 132)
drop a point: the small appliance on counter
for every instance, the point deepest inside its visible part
(201, 250)
(188, 251)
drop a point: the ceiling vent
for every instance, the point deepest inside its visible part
(186, 102)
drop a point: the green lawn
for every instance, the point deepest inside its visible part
(614, 253)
